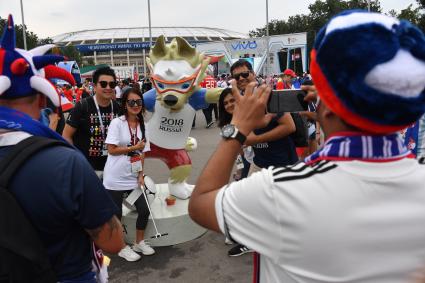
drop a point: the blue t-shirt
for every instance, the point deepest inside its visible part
(61, 195)
(280, 152)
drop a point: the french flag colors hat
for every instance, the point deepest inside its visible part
(25, 73)
(369, 69)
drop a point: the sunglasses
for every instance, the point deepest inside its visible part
(104, 84)
(135, 102)
(244, 75)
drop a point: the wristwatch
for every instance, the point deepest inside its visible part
(230, 131)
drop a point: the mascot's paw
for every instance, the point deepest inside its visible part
(180, 190)
(191, 144)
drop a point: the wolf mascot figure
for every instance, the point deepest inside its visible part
(176, 72)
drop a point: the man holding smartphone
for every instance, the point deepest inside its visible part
(271, 144)
(353, 211)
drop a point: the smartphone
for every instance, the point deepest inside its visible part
(287, 100)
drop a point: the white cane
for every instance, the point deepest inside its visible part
(157, 235)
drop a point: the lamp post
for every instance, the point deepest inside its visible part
(368, 5)
(150, 28)
(23, 27)
(150, 39)
(267, 38)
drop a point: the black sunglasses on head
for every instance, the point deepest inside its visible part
(134, 102)
(244, 75)
(103, 84)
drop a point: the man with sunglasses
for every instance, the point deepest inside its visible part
(271, 144)
(87, 124)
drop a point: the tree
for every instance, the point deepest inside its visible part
(321, 11)
(421, 21)
(411, 14)
(72, 54)
(32, 39)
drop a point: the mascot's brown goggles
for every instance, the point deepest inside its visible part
(104, 84)
(135, 102)
(181, 86)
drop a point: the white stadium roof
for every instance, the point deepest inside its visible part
(141, 34)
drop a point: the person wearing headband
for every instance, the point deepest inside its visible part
(56, 189)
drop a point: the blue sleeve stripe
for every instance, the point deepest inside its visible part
(149, 98)
(197, 100)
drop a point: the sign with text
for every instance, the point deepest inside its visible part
(84, 48)
(124, 72)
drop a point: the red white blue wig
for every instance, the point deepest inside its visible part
(369, 69)
(26, 73)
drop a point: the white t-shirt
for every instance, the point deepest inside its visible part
(335, 222)
(169, 129)
(222, 84)
(117, 174)
(118, 92)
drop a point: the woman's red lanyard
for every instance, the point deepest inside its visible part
(133, 137)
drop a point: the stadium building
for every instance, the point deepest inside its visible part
(129, 46)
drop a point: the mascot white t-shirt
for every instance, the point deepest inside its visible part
(169, 129)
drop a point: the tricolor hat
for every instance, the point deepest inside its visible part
(25, 73)
(369, 69)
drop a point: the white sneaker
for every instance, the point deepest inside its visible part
(144, 248)
(180, 190)
(128, 254)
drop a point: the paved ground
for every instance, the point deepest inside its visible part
(202, 260)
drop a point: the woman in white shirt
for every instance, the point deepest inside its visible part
(124, 167)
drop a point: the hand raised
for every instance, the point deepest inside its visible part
(250, 109)
(311, 93)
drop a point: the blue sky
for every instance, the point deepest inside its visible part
(49, 17)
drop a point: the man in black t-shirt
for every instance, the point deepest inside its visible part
(87, 124)
(272, 144)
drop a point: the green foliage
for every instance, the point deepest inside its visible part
(321, 11)
(72, 53)
(32, 39)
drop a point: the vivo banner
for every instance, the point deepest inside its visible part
(256, 47)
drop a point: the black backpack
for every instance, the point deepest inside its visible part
(300, 135)
(23, 257)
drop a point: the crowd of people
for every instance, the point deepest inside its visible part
(350, 210)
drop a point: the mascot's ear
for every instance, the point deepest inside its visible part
(185, 50)
(159, 50)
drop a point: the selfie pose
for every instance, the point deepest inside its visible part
(354, 210)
